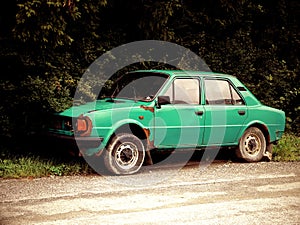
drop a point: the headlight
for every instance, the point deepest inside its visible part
(83, 126)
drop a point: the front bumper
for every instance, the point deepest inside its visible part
(82, 143)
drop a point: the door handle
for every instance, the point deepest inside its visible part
(242, 112)
(199, 113)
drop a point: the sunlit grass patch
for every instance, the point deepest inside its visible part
(287, 149)
(34, 166)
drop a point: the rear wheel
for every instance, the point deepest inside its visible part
(252, 145)
(124, 155)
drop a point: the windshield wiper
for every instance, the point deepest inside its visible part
(111, 97)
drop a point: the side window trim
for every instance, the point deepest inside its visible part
(172, 85)
(231, 88)
(238, 93)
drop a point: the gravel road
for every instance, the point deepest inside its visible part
(219, 193)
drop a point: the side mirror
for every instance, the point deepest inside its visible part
(163, 100)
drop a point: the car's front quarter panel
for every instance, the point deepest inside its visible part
(101, 125)
(106, 122)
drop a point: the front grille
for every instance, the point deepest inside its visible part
(61, 123)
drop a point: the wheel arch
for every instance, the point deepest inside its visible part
(260, 126)
(132, 128)
(140, 132)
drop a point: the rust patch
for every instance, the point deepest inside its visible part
(150, 144)
(148, 158)
(147, 132)
(151, 109)
(100, 152)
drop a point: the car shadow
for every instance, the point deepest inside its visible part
(211, 155)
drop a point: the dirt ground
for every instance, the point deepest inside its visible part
(219, 193)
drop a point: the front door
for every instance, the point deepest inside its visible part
(180, 123)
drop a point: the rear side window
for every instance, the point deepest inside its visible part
(221, 92)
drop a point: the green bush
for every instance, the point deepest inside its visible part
(287, 149)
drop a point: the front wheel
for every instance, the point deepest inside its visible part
(252, 145)
(124, 155)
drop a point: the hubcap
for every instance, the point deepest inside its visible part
(127, 155)
(252, 144)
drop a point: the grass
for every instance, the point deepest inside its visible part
(287, 149)
(32, 165)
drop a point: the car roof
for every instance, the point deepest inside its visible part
(185, 73)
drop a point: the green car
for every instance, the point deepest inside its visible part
(170, 109)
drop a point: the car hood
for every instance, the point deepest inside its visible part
(105, 104)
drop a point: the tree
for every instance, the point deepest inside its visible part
(47, 46)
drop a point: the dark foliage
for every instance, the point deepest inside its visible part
(47, 45)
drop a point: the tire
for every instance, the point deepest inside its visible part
(252, 145)
(125, 154)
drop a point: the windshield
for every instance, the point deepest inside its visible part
(137, 86)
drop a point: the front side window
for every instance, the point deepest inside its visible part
(221, 92)
(184, 91)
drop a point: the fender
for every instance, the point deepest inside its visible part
(255, 123)
(115, 127)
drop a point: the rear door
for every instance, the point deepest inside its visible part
(225, 112)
